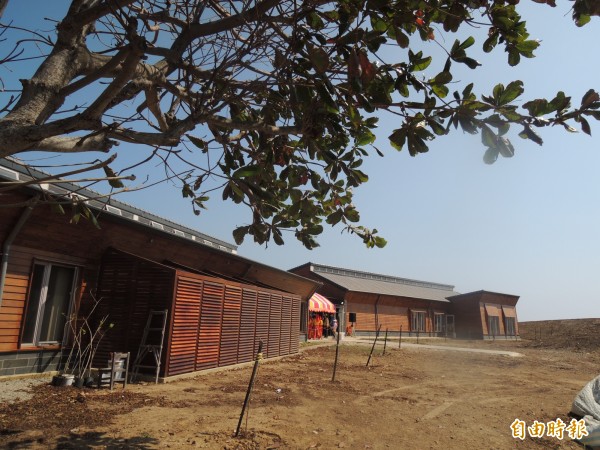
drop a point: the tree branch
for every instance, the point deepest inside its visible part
(94, 143)
(228, 23)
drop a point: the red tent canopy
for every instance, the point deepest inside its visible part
(318, 303)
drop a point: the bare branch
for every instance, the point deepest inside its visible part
(96, 143)
(6, 185)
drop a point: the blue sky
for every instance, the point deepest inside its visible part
(528, 226)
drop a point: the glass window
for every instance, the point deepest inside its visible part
(439, 323)
(417, 321)
(493, 325)
(509, 323)
(50, 299)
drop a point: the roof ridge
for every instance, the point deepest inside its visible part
(378, 277)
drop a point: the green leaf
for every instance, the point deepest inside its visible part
(319, 59)
(514, 57)
(398, 138)
(469, 62)
(380, 242)
(248, 171)
(334, 217)
(538, 107)
(512, 91)
(277, 237)
(506, 148)
(57, 208)
(202, 145)
(490, 43)
(422, 64)
(117, 184)
(365, 138)
(585, 126)
(440, 90)
(402, 39)
(527, 47)
(582, 20)
(559, 102)
(239, 234)
(490, 156)
(442, 78)
(590, 97)
(351, 214)
(467, 43)
(314, 21)
(488, 137)
(528, 133)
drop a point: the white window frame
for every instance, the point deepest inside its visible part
(439, 322)
(42, 303)
(418, 321)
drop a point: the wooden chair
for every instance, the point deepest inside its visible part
(117, 371)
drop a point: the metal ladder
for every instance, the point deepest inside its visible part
(151, 333)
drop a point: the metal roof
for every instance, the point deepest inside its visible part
(12, 170)
(373, 283)
(222, 253)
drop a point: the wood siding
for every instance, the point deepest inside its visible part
(390, 312)
(213, 322)
(48, 234)
(16, 288)
(473, 309)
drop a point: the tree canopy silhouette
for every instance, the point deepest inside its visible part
(271, 103)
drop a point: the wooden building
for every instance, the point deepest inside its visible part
(367, 301)
(485, 315)
(219, 304)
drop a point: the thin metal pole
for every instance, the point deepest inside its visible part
(250, 385)
(400, 340)
(337, 350)
(385, 340)
(373, 348)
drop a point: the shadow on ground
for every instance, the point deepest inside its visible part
(85, 441)
(94, 440)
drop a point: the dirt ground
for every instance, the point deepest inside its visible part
(409, 398)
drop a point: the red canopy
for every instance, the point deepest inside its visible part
(318, 303)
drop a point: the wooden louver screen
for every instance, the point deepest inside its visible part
(286, 322)
(186, 321)
(232, 307)
(210, 326)
(262, 320)
(211, 322)
(295, 327)
(274, 326)
(247, 346)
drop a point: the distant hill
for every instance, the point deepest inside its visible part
(576, 334)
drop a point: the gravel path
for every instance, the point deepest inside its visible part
(17, 389)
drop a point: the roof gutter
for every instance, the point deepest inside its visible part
(10, 239)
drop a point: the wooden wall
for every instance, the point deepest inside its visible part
(390, 312)
(212, 322)
(52, 236)
(16, 288)
(128, 289)
(473, 309)
(467, 318)
(218, 323)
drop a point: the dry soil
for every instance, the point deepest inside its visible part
(409, 398)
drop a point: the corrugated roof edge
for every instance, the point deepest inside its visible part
(482, 291)
(373, 276)
(12, 169)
